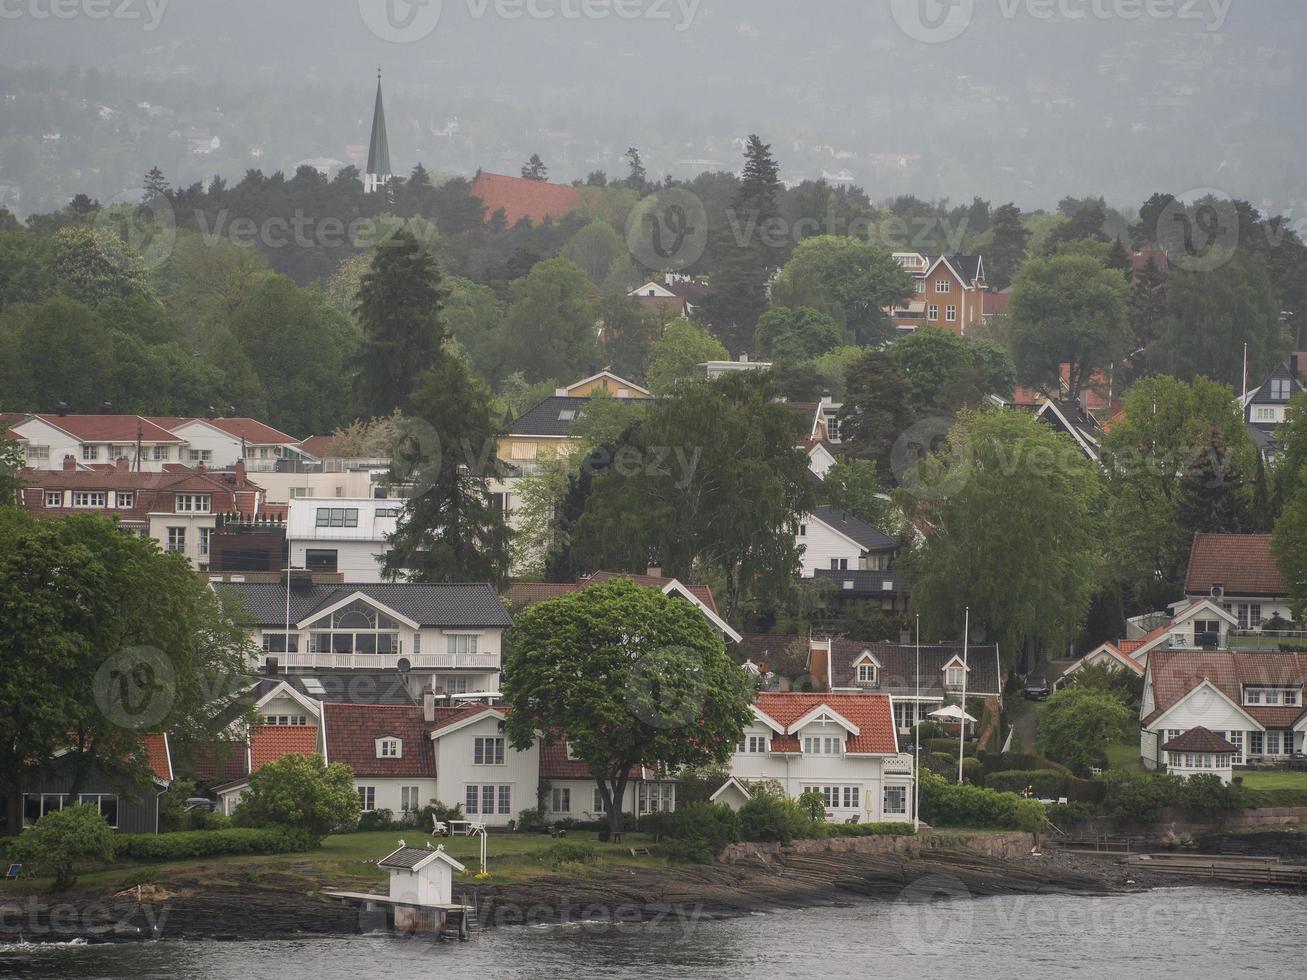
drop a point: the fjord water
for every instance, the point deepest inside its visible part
(1188, 933)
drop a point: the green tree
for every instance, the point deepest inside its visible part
(629, 334)
(1067, 309)
(1016, 526)
(399, 309)
(210, 282)
(676, 355)
(93, 264)
(549, 330)
(1289, 546)
(853, 486)
(304, 794)
(727, 504)
(595, 248)
(1213, 497)
(627, 677)
(61, 352)
(1079, 722)
(156, 185)
(535, 169)
(1007, 249)
(450, 529)
(851, 282)
(790, 335)
(877, 408)
(62, 840)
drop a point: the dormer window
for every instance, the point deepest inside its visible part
(390, 748)
(955, 675)
(1280, 389)
(823, 745)
(194, 503)
(866, 673)
(866, 669)
(753, 745)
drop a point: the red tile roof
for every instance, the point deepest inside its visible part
(520, 198)
(153, 490)
(554, 764)
(870, 712)
(252, 431)
(1199, 740)
(156, 747)
(352, 731)
(110, 428)
(1241, 564)
(268, 743)
(1174, 673)
(319, 447)
(220, 762)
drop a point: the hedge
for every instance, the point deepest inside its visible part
(1042, 783)
(946, 805)
(949, 746)
(209, 843)
(869, 830)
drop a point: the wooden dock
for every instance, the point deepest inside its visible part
(409, 918)
(1247, 870)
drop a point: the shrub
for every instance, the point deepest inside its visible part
(1079, 722)
(63, 839)
(1136, 796)
(568, 852)
(928, 731)
(1068, 814)
(208, 820)
(813, 804)
(1012, 762)
(870, 830)
(1042, 783)
(209, 843)
(532, 821)
(689, 850)
(948, 805)
(303, 793)
(379, 820)
(1208, 795)
(715, 824)
(697, 785)
(775, 818)
(438, 811)
(973, 772)
(949, 746)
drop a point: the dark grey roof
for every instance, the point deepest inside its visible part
(967, 266)
(553, 416)
(379, 148)
(344, 687)
(1262, 438)
(897, 674)
(473, 604)
(405, 857)
(859, 530)
(865, 583)
(1262, 396)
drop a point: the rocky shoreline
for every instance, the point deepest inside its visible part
(256, 905)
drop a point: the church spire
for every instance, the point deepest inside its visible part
(379, 172)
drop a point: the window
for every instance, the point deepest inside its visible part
(560, 800)
(1250, 615)
(106, 803)
(1272, 743)
(950, 313)
(338, 517)
(1252, 695)
(838, 797)
(954, 677)
(276, 642)
(176, 539)
(1206, 626)
(921, 286)
(505, 799)
(125, 499)
(803, 530)
(408, 798)
(1280, 389)
(160, 453)
(488, 800)
(655, 798)
(523, 451)
(355, 628)
(389, 748)
(387, 511)
(37, 453)
(89, 498)
(1236, 739)
(752, 744)
(1290, 698)
(286, 720)
(453, 683)
(932, 312)
(205, 533)
(1265, 414)
(839, 564)
(295, 493)
(90, 453)
(368, 798)
(1256, 743)
(200, 455)
(37, 805)
(866, 673)
(462, 643)
(896, 800)
(822, 745)
(941, 285)
(321, 559)
(194, 503)
(488, 751)
(54, 498)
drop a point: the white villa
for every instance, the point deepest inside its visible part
(342, 534)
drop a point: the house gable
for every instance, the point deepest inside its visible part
(823, 713)
(360, 596)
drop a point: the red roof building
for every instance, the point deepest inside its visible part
(1237, 564)
(872, 715)
(519, 198)
(352, 733)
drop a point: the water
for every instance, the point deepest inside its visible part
(1182, 933)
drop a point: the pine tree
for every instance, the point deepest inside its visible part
(400, 301)
(535, 169)
(638, 178)
(1212, 497)
(156, 185)
(1008, 251)
(760, 185)
(1147, 304)
(1262, 516)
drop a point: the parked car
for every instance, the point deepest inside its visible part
(197, 804)
(1037, 689)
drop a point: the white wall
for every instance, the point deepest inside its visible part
(331, 485)
(160, 522)
(455, 771)
(819, 544)
(37, 432)
(358, 561)
(388, 795)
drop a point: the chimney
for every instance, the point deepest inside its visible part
(655, 571)
(61, 409)
(429, 707)
(271, 666)
(240, 472)
(70, 464)
(904, 637)
(121, 464)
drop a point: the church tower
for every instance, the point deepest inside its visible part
(379, 172)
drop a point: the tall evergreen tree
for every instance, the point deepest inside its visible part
(1008, 250)
(399, 306)
(1263, 513)
(1212, 496)
(535, 169)
(638, 177)
(156, 185)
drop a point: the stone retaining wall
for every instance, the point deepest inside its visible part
(1006, 845)
(1171, 819)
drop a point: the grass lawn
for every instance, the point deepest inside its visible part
(1124, 756)
(348, 861)
(1274, 780)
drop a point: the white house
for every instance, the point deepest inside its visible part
(220, 442)
(389, 749)
(342, 534)
(475, 767)
(1199, 752)
(843, 746)
(1239, 573)
(421, 877)
(1252, 699)
(715, 369)
(834, 539)
(91, 440)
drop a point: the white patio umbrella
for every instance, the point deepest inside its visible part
(952, 713)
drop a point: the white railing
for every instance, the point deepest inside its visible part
(382, 661)
(899, 763)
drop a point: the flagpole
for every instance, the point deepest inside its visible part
(962, 721)
(1244, 400)
(916, 728)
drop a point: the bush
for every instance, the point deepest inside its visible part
(713, 824)
(775, 818)
(532, 821)
(949, 746)
(1135, 797)
(568, 852)
(379, 820)
(946, 805)
(1012, 762)
(869, 830)
(697, 785)
(208, 820)
(210, 843)
(973, 772)
(1069, 814)
(813, 804)
(1040, 783)
(1090, 791)
(1208, 795)
(303, 793)
(928, 731)
(63, 839)
(689, 850)
(435, 810)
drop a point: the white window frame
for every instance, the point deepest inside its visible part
(461, 644)
(193, 503)
(97, 800)
(161, 454)
(367, 798)
(125, 499)
(409, 798)
(90, 452)
(868, 673)
(902, 808)
(390, 748)
(932, 311)
(950, 313)
(90, 499)
(488, 750)
(942, 286)
(205, 534)
(560, 799)
(176, 540)
(34, 453)
(54, 498)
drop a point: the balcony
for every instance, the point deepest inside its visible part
(899, 764)
(485, 662)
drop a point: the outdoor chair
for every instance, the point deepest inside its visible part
(439, 828)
